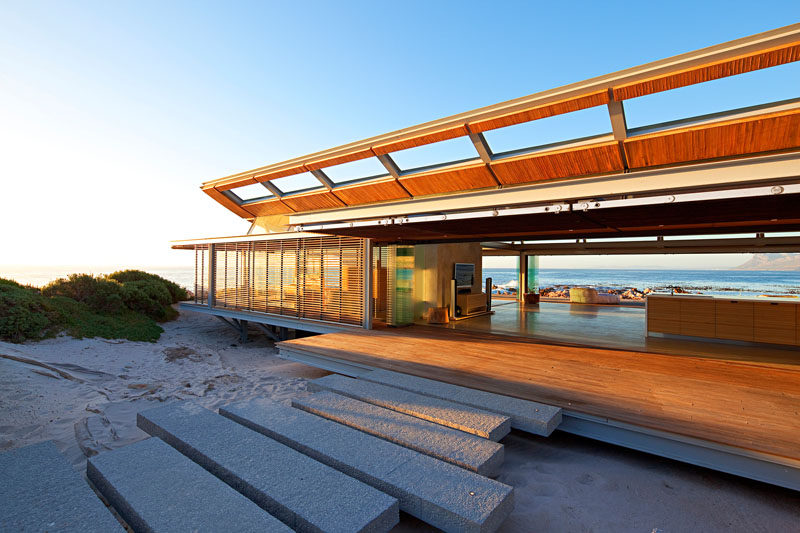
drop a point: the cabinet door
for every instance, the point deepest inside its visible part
(734, 320)
(663, 307)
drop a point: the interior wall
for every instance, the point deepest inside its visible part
(434, 271)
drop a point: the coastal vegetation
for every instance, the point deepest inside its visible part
(124, 305)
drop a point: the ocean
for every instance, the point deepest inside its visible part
(722, 282)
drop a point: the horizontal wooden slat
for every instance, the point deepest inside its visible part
(420, 140)
(312, 200)
(584, 160)
(227, 202)
(778, 55)
(765, 133)
(269, 207)
(340, 159)
(371, 191)
(241, 182)
(461, 178)
(539, 112)
(282, 173)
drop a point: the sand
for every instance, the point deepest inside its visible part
(87, 403)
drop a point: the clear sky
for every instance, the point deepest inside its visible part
(113, 113)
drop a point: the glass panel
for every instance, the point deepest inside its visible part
(250, 192)
(298, 182)
(566, 127)
(439, 153)
(753, 88)
(365, 168)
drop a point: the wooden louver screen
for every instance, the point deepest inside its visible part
(318, 278)
(201, 274)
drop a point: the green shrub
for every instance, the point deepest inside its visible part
(147, 296)
(100, 294)
(79, 321)
(24, 313)
(177, 293)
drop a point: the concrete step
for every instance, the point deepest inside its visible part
(155, 488)
(485, 424)
(526, 415)
(40, 491)
(467, 451)
(303, 493)
(444, 495)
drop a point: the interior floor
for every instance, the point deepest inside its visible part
(611, 326)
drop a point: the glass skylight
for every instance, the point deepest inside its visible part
(297, 182)
(364, 168)
(435, 154)
(566, 127)
(251, 192)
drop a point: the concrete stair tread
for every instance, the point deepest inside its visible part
(40, 491)
(303, 493)
(444, 495)
(155, 488)
(533, 417)
(461, 449)
(462, 417)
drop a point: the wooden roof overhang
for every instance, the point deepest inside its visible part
(744, 133)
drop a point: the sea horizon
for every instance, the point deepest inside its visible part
(705, 281)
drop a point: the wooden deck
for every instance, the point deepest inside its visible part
(750, 405)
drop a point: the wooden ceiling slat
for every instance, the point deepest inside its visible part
(269, 207)
(751, 135)
(420, 140)
(227, 202)
(771, 57)
(241, 182)
(312, 200)
(340, 159)
(372, 191)
(451, 179)
(584, 160)
(275, 174)
(539, 112)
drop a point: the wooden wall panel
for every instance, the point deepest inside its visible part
(543, 111)
(227, 202)
(419, 140)
(340, 159)
(776, 131)
(463, 178)
(372, 191)
(712, 71)
(312, 200)
(585, 160)
(269, 207)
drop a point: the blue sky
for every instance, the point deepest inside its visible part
(113, 113)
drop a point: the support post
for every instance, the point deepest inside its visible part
(212, 264)
(367, 322)
(521, 278)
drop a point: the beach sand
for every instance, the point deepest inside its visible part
(562, 483)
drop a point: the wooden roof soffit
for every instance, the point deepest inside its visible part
(750, 62)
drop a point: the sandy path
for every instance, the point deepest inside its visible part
(563, 483)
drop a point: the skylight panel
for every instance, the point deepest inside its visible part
(297, 182)
(566, 127)
(251, 192)
(457, 149)
(364, 168)
(752, 88)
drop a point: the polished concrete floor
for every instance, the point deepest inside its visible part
(611, 326)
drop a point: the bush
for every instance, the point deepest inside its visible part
(100, 294)
(177, 293)
(24, 313)
(147, 296)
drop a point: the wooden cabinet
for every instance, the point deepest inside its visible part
(775, 322)
(663, 315)
(734, 320)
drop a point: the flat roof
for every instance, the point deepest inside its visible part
(735, 134)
